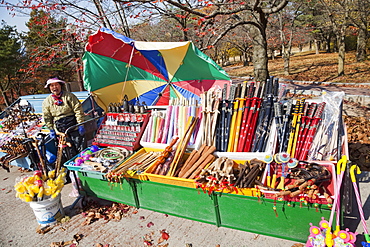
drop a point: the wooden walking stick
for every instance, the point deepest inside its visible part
(61, 144)
(41, 158)
(200, 161)
(182, 145)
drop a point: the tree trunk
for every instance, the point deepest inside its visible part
(361, 45)
(328, 40)
(3, 94)
(341, 53)
(317, 46)
(260, 58)
(286, 59)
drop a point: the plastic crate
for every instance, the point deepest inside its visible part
(189, 183)
(97, 185)
(255, 192)
(330, 186)
(288, 221)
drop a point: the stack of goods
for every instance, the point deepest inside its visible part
(310, 130)
(122, 128)
(99, 159)
(226, 175)
(164, 125)
(132, 166)
(291, 180)
(15, 148)
(21, 120)
(245, 118)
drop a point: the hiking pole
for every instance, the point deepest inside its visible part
(229, 113)
(221, 121)
(293, 126)
(297, 127)
(285, 128)
(306, 119)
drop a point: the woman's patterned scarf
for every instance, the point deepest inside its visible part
(58, 98)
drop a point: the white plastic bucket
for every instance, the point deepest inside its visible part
(49, 211)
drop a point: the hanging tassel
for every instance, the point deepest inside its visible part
(274, 207)
(316, 205)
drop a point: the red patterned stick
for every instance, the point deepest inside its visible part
(312, 130)
(306, 119)
(247, 109)
(252, 127)
(243, 124)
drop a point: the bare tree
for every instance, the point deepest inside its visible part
(217, 19)
(338, 14)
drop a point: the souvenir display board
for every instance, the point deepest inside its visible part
(121, 130)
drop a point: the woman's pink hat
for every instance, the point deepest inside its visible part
(53, 80)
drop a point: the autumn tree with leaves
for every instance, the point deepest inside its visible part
(10, 62)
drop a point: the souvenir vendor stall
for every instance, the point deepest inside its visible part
(22, 130)
(247, 156)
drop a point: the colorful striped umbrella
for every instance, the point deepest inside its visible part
(150, 72)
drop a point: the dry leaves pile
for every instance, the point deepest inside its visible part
(359, 141)
(114, 212)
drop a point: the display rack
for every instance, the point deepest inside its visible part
(122, 130)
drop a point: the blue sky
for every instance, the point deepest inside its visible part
(19, 20)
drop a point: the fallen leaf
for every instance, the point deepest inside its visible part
(165, 235)
(147, 243)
